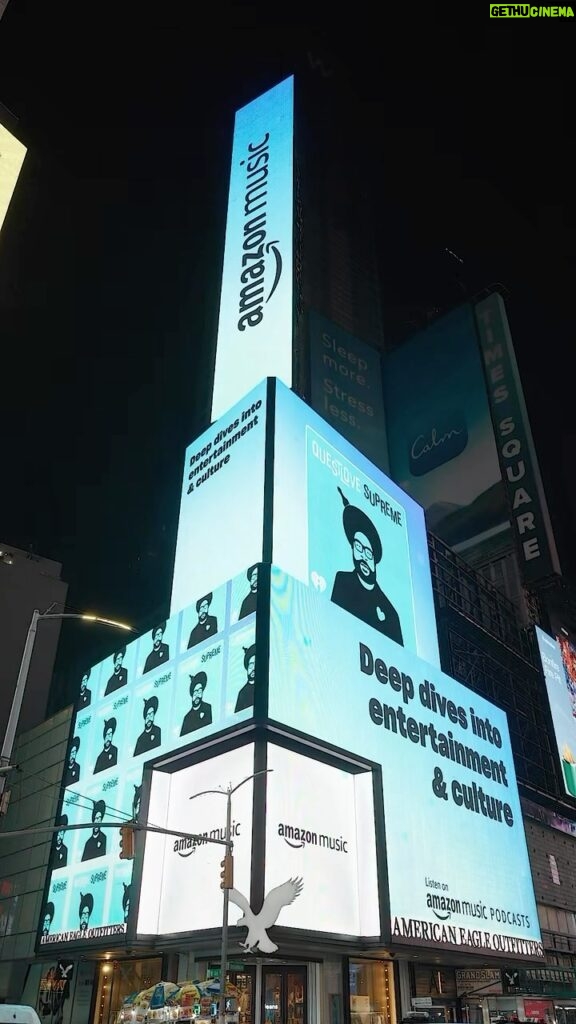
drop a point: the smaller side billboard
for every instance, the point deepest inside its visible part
(346, 387)
(558, 657)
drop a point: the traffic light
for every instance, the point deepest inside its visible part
(126, 842)
(227, 873)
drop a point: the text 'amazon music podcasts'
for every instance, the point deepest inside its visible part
(346, 530)
(447, 773)
(188, 677)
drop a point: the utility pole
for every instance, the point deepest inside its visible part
(227, 883)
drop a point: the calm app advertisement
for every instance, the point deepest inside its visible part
(222, 505)
(562, 698)
(255, 322)
(186, 678)
(347, 531)
(181, 876)
(447, 773)
(441, 442)
(346, 387)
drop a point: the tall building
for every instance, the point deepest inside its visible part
(374, 701)
(28, 581)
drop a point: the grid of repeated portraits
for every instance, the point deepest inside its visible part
(188, 677)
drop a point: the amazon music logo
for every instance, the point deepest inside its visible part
(185, 846)
(261, 259)
(298, 836)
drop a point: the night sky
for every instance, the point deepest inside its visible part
(111, 252)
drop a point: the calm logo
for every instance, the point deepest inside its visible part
(445, 437)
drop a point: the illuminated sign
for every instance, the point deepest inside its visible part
(346, 387)
(320, 828)
(440, 436)
(188, 896)
(255, 323)
(222, 503)
(185, 679)
(346, 530)
(559, 667)
(519, 465)
(319, 837)
(12, 154)
(323, 493)
(449, 787)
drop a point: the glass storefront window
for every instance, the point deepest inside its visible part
(371, 992)
(120, 978)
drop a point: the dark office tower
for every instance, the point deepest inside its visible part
(335, 235)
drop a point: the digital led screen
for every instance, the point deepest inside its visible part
(222, 503)
(346, 530)
(12, 153)
(458, 868)
(320, 829)
(185, 679)
(180, 889)
(559, 667)
(255, 323)
(346, 387)
(441, 442)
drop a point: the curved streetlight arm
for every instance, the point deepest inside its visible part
(8, 743)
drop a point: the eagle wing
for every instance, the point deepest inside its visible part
(240, 901)
(277, 898)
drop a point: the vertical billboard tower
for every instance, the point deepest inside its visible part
(255, 323)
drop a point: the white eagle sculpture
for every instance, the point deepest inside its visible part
(257, 924)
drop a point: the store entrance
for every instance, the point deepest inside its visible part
(284, 997)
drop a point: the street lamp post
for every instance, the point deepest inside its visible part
(229, 846)
(8, 743)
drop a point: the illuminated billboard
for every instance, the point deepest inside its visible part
(458, 869)
(520, 471)
(180, 889)
(12, 153)
(558, 658)
(320, 828)
(440, 437)
(255, 322)
(185, 679)
(346, 387)
(319, 831)
(319, 492)
(221, 520)
(346, 530)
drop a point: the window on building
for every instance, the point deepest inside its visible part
(554, 869)
(371, 992)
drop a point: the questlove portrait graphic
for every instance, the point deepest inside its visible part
(95, 846)
(85, 695)
(151, 736)
(119, 676)
(85, 910)
(200, 713)
(108, 756)
(357, 590)
(206, 626)
(72, 773)
(245, 698)
(160, 652)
